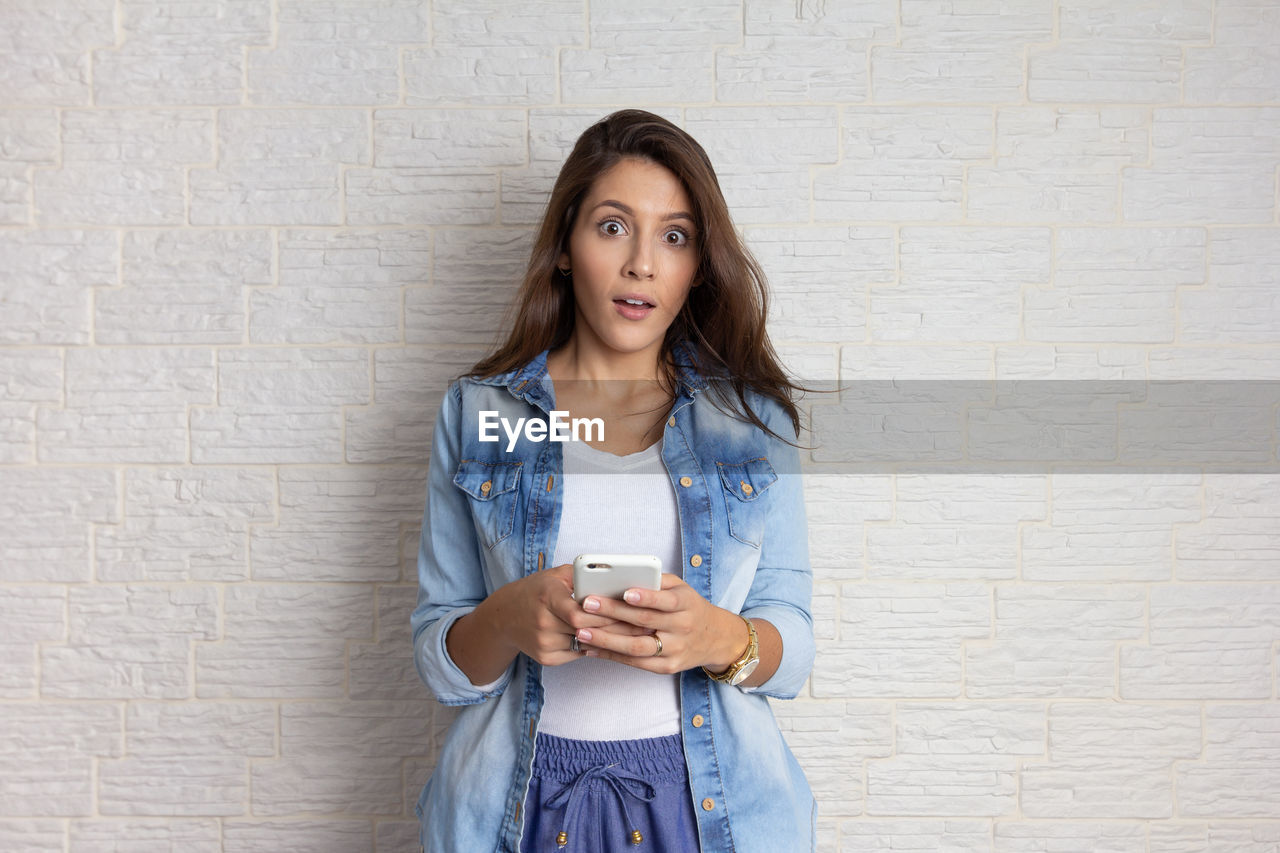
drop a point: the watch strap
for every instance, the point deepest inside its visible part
(751, 653)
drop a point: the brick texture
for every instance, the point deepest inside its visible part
(247, 243)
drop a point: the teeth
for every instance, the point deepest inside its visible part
(635, 302)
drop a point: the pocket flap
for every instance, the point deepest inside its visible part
(747, 480)
(484, 481)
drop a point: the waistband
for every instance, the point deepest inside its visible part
(658, 759)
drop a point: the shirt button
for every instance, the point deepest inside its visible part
(695, 560)
(708, 804)
(486, 486)
(671, 421)
(697, 721)
(686, 481)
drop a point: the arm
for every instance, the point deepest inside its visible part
(465, 638)
(450, 569)
(532, 615)
(782, 591)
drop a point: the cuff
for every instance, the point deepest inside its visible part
(450, 684)
(793, 669)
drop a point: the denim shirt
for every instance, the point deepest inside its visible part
(492, 517)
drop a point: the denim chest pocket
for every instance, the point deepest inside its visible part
(744, 485)
(492, 487)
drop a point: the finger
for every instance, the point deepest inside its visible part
(670, 597)
(626, 629)
(573, 616)
(554, 622)
(554, 649)
(561, 658)
(666, 600)
(585, 620)
(628, 645)
(620, 611)
(660, 664)
(662, 615)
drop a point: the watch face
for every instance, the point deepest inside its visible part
(745, 673)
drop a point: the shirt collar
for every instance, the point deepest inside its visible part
(527, 383)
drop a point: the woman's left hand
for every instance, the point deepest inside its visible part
(694, 632)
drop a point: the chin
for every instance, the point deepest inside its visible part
(632, 347)
(627, 339)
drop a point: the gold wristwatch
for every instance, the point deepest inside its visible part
(741, 669)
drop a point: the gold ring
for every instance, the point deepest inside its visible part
(657, 651)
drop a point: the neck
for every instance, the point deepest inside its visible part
(623, 389)
(578, 361)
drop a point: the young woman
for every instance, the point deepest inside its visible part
(639, 723)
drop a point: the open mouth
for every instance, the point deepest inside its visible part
(633, 308)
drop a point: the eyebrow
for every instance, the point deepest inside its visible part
(609, 202)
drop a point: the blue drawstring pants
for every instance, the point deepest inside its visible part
(609, 796)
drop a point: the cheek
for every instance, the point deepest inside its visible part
(675, 305)
(690, 262)
(688, 270)
(597, 261)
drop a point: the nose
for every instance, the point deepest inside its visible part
(640, 261)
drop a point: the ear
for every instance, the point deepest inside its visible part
(563, 261)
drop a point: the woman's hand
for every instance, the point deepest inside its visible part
(694, 632)
(537, 615)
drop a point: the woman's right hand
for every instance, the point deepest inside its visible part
(536, 615)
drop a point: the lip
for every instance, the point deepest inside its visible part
(633, 312)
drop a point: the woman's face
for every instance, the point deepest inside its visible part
(632, 254)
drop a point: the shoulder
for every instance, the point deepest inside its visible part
(767, 408)
(714, 383)
(451, 401)
(468, 387)
(772, 413)
(475, 383)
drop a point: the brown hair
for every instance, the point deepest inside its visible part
(722, 322)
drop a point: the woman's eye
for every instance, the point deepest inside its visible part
(676, 237)
(612, 227)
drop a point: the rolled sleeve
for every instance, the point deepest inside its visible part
(438, 671)
(781, 592)
(450, 568)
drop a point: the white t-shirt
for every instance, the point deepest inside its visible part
(619, 505)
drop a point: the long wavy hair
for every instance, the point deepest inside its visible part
(722, 322)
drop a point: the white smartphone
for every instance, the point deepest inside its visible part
(610, 575)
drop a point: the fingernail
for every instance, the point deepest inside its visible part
(591, 605)
(584, 635)
(591, 653)
(632, 596)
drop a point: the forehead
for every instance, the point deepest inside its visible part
(640, 184)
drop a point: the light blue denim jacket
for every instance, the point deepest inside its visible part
(744, 549)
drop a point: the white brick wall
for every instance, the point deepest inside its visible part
(246, 242)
